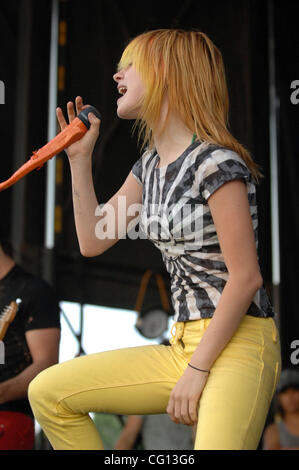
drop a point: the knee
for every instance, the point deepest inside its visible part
(38, 393)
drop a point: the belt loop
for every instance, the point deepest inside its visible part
(179, 331)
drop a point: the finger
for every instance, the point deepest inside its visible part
(177, 412)
(60, 118)
(94, 123)
(79, 104)
(185, 413)
(193, 411)
(71, 111)
(170, 410)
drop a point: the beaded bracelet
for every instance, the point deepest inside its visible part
(196, 368)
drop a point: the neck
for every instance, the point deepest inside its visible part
(6, 264)
(292, 416)
(173, 140)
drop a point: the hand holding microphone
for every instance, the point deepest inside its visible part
(85, 145)
(78, 137)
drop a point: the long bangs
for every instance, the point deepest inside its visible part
(145, 54)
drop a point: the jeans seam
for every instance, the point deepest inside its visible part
(253, 410)
(130, 384)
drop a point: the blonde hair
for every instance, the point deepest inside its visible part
(190, 67)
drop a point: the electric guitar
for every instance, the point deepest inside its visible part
(7, 316)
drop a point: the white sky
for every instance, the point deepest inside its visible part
(104, 329)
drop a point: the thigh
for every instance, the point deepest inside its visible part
(235, 402)
(134, 380)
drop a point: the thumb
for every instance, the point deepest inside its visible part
(94, 123)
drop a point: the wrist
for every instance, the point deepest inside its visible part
(82, 160)
(81, 168)
(199, 369)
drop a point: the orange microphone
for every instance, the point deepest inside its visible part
(70, 134)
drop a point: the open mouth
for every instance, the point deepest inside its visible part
(122, 90)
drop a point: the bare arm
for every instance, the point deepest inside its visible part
(231, 214)
(129, 433)
(43, 346)
(86, 207)
(100, 228)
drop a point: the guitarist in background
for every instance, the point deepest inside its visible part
(31, 343)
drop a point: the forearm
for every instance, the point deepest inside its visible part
(235, 300)
(16, 388)
(84, 202)
(125, 442)
(129, 433)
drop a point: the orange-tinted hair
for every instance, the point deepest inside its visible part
(190, 67)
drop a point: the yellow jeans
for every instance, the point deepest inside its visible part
(232, 409)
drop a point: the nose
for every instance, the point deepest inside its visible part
(118, 76)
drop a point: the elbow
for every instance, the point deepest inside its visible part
(260, 282)
(89, 253)
(252, 281)
(84, 251)
(88, 250)
(257, 281)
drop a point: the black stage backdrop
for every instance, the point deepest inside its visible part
(94, 34)
(287, 73)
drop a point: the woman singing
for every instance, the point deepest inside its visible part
(196, 184)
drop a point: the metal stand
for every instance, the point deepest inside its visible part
(273, 112)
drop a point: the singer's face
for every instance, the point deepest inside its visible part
(131, 87)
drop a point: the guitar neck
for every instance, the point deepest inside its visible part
(7, 316)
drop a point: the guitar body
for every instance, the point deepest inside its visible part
(7, 316)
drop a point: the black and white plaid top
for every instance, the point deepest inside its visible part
(175, 216)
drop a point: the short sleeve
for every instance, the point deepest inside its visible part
(220, 167)
(137, 170)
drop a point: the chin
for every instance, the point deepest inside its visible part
(124, 112)
(124, 115)
(121, 114)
